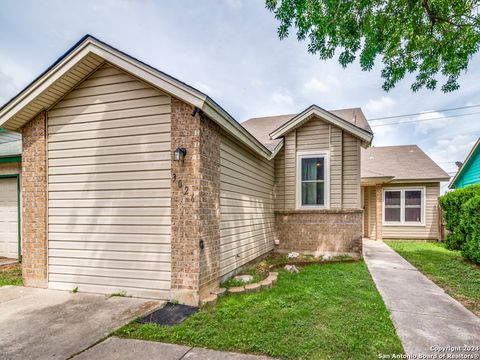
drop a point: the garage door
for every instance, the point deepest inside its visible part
(109, 188)
(8, 218)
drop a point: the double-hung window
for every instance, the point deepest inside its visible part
(312, 180)
(403, 206)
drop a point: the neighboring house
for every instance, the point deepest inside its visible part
(469, 171)
(10, 168)
(400, 190)
(135, 181)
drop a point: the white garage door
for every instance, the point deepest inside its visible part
(8, 218)
(109, 188)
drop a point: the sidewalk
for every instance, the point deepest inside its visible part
(129, 349)
(423, 314)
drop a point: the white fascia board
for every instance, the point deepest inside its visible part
(149, 75)
(229, 124)
(35, 89)
(142, 71)
(315, 110)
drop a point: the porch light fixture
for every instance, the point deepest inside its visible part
(179, 154)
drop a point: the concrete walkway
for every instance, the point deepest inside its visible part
(48, 324)
(426, 318)
(129, 349)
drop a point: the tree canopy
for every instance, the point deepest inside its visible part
(434, 39)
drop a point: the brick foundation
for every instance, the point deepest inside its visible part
(317, 232)
(195, 271)
(34, 203)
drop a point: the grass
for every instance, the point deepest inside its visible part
(457, 276)
(330, 311)
(11, 275)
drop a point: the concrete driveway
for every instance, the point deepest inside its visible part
(48, 324)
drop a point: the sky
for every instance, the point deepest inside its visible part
(229, 49)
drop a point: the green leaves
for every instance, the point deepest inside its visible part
(435, 39)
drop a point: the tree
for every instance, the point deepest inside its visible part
(431, 38)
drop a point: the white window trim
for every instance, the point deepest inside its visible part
(312, 154)
(402, 221)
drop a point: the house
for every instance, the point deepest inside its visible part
(10, 168)
(469, 171)
(400, 190)
(133, 180)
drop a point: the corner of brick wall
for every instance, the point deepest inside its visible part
(195, 213)
(209, 194)
(34, 202)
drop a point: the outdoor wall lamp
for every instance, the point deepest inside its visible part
(179, 154)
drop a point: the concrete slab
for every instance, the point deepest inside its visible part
(204, 354)
(115, 348)
(425, 317)
(128, 349)
(49, 324)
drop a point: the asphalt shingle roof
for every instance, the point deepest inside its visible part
(263, 126)
(406, 162)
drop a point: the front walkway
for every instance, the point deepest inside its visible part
(426, 318)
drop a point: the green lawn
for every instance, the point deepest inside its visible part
(330, 311)
(11, 275)
(458, 277)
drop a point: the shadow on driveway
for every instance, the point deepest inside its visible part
(50, 324)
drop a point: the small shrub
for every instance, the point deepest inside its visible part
(470, 223)
(452, 203)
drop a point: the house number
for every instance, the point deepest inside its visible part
(185, 188)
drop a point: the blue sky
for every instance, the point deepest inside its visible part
(230, 50)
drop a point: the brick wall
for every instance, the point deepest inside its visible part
(34, 203)
(195, 213)
(319, 232)
(209, 194)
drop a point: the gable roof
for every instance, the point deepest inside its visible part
(466, 164)
(262, 127)
(83, 59)
(400, 163)
(363, 133)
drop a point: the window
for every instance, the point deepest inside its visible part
(403, 206)
(312, 180)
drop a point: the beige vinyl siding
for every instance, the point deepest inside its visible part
(351, 172)
(317, 135)
(290, 169)
(109, 220)
(372, 211)
(54, 93)
(279, 189)
(246, 206)
(430, 230)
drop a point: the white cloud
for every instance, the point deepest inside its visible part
(430, 122)
(379, 106)
(282, 98)
(12, 78)
(206, 89)
(235, 4)
(325, 85)
(256, 83)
